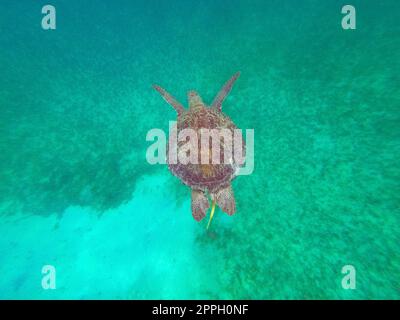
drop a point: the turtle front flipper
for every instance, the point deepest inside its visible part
(226, 200)
(170, 99)
(200, 204)
(217, 103)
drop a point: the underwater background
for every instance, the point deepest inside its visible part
(76, 191)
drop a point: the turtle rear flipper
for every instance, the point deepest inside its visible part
(200, 204)
(226, 200)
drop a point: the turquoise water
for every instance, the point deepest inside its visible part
(77, 193)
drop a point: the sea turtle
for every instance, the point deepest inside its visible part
(203, 178)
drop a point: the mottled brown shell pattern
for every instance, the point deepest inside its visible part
(206, 177)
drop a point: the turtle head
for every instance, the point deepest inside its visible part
(195, 100)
